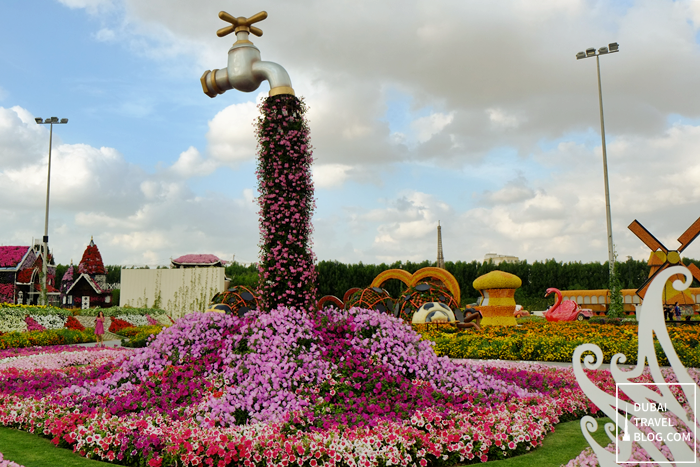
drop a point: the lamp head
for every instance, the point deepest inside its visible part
(614, 47)
(64, 120)
(580, 55)
(38, 120)
(54, 119)
(590, 52)
(602, 50)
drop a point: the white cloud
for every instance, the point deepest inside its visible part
(231, 135)
(429, 126)
(92, 6)
(513, 191)
(135, 217)
(501, 119)
(191, 163)
(105, 35)
(514, 84)
(330, 175)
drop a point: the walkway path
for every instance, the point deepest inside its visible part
(111, 339)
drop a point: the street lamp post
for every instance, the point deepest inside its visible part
(591, 52)
(45, 248)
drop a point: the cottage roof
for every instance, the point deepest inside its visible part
(68, 276)
(197, 260)
(91, 263)
(11, 256)
(91, 282)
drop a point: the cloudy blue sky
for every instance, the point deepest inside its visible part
(472, 113)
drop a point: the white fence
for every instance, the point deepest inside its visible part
(178, 291)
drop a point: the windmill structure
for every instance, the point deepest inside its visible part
(662, 258)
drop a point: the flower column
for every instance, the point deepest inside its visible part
(287, 272)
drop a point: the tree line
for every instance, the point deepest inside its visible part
(335, 278)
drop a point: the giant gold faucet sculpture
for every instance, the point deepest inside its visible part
(245, 71)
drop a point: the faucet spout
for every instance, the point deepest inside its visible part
(276, 75)
(245, 70)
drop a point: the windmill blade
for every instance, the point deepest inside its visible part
(695, 271)
(646, 237)
(641, 292)
(689, 235)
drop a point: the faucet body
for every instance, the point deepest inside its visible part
(245, 71)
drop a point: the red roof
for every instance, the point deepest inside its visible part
(91, 263)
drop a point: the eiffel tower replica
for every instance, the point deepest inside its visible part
(440, 257)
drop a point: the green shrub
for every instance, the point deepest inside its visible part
(117, 310)
(139, 336)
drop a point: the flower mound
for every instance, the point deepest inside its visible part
(285, 387)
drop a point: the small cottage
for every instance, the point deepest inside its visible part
(89, 288)
(20, 275)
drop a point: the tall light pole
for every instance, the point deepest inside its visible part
(611, 48)
(45, 253)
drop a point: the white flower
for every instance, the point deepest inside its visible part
(50, 321)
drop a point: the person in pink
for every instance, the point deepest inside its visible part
(100, 328)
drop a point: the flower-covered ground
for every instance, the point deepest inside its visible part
(287, 388)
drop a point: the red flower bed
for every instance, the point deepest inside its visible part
(73, 323)
(119, 324)
(25, 275)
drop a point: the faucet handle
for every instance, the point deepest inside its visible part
(241, 24)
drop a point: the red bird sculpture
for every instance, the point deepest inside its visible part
(566, 310)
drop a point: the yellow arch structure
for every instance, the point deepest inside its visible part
(412, 279)
(400, 274)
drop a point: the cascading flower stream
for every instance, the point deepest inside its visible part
(286, 200)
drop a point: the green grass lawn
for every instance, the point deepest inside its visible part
(35, 451)
(559, 447)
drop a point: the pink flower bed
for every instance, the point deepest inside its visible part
(7, 293)
(57, 360)
(287, 388)
(32, 325)
(6, 463)
(152, 321)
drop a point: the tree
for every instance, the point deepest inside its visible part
(616, 308)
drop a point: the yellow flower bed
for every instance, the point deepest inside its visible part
(48, 337)
(555, 341)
